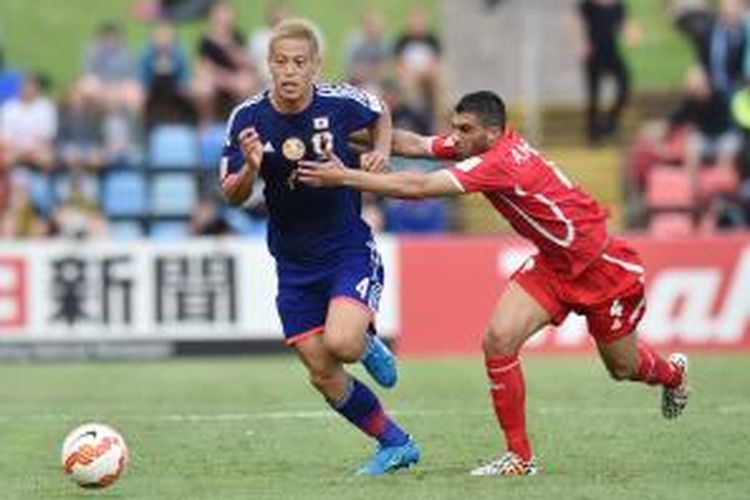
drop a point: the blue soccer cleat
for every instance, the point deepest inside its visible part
(387, 460)
(379, 361)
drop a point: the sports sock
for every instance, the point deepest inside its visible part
(655, 370)
(508, 392)
(360, 406)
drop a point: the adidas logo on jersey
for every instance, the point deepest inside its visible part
(268, 147)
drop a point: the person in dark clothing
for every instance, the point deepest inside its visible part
(418, 53)
(225, 75)
(164, 73)
(719, 42)
(601, 22)
(711, 140)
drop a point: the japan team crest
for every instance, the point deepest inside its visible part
(293, 149)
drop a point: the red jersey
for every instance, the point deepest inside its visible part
(563, 221)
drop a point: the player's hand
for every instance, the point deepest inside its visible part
(328, 173)
(238, 186)
(252, 148)
(374, 161)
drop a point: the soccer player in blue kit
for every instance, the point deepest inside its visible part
(330, 276)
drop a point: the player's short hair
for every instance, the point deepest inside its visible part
(299, 29)
(486, 105)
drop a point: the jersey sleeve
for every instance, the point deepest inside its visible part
(482, 173)
(360, 108)
(231, 155)
(443, 147)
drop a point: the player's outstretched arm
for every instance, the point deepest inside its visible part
(411, 145)
(333, 173)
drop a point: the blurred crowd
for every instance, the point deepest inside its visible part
(690, 171)
(129, 148)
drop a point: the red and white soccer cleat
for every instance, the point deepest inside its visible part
(508, 464)
(674, 400)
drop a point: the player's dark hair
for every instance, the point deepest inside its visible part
(486, 105)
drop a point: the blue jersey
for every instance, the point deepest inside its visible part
(307, 225)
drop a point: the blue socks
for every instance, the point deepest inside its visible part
(360, 406)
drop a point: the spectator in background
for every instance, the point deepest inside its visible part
(419, 63)
(164, 73)
(726, 57)
(80, 141)
(78, 216)
(741, 114)
(22, 219)
(403, 114)
(367, 52)
(121, 132)
(28, 125)
(599, 25)
(706, 115)
(711, 141)
(206, 220)
(108, 67)
(257, 42)
(171, 10)
(224, 74)
(719, 41)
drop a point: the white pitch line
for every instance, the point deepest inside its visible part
(327, 414)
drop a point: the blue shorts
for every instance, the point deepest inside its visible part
(305, 291)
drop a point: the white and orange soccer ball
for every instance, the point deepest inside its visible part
(94, 455)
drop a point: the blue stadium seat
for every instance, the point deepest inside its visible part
(407, 216)
(173, 194)
(11, 82)
(42, 192)
(123, 193)
(125, 230)
(211, 143)
(242, 223)
(173, 146)
(169, 230)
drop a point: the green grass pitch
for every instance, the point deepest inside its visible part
(254, 428)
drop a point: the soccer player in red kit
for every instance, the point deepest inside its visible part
(579, 266)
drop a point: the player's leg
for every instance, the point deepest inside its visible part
(592, 74)
(359, 405)
(613, 325)
(622, 83)
(350, 336)
(517, 316)
(629, 359)
(350, 320)
(345, 327)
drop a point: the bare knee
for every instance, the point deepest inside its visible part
(621, 371)
(500, 340)
(344, 348)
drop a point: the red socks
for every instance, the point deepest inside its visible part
(508, 392)
(655, 370)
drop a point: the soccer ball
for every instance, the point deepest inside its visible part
(94, 455)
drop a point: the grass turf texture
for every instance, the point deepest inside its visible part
(253, 428)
